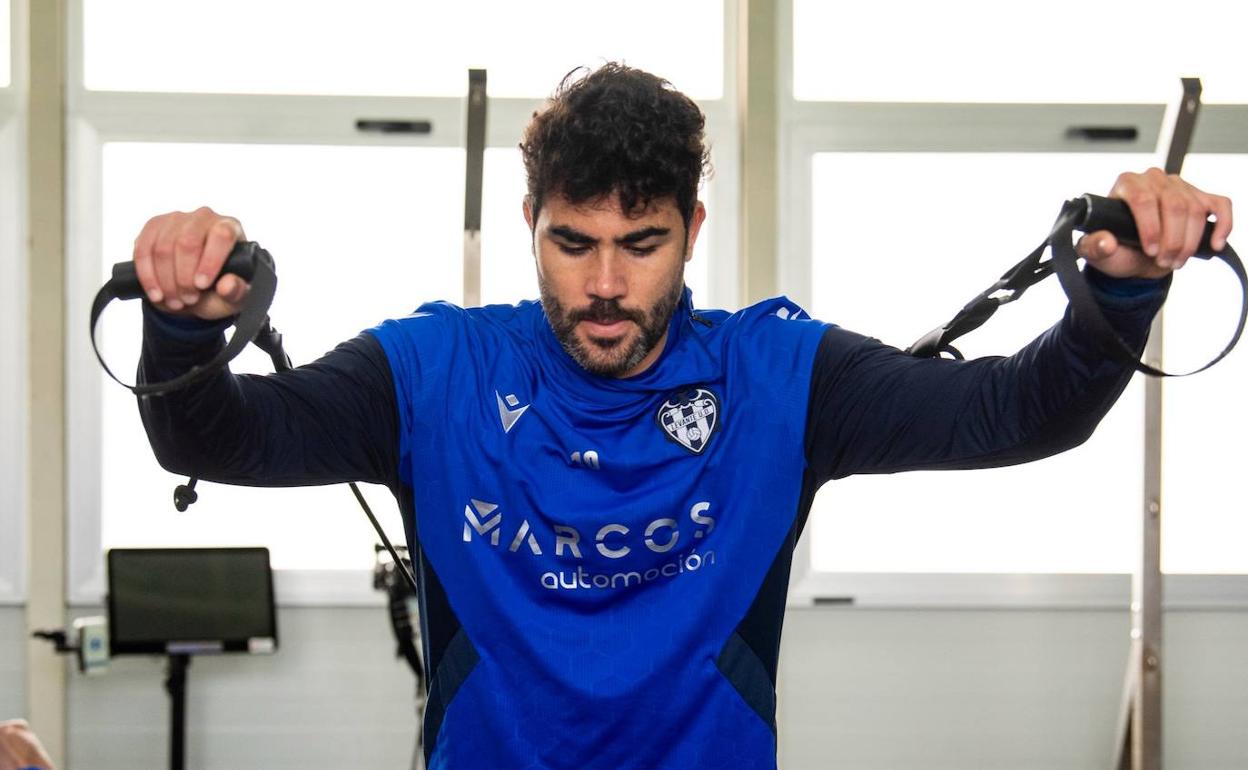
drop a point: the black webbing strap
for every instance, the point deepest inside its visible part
(973, 314)
(1087, 214)
(249, 262)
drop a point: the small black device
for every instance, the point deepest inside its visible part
(190, 600)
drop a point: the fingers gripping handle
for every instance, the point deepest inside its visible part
(1114, 215)
(241, 262)
(249, 262)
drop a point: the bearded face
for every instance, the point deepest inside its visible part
(630, 334)
(610, 281)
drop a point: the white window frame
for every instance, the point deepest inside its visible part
(95, 118)
(14, 330)
(807, 128)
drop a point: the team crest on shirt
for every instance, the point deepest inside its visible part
(689, 417)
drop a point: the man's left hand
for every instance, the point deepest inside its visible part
(1170, 216)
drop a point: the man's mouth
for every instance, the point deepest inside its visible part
(612, 328)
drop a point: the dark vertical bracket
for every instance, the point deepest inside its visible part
(1139, 734)
(472, 187)
(175, 685)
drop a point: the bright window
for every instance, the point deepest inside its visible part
(900, 242)
(355, 242)
(393, 47)
(507, 271)
(987, 51)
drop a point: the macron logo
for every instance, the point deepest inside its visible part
(482, 520)
(509, 410)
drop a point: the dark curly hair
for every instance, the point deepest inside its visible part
(616, 130)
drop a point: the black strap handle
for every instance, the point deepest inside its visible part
(249, 262)
(1092, 213)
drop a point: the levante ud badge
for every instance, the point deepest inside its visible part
(689, 417)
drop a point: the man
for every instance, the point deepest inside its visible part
(603, 491)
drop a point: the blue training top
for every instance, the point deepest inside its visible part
(600, 539)
(603, 562)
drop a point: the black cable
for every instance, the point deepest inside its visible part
(398, 564)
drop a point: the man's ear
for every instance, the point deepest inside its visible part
(695, 226)
(528, 218)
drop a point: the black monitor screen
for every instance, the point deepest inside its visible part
(194, 600)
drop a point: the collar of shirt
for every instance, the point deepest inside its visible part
(686, 359)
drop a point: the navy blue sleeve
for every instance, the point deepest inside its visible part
(875, 409)
(326, 422)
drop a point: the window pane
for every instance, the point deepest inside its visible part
(355, 241)
(393, 47)
(507, 271)
(984, 51)
(1206, 419)
(895, 256)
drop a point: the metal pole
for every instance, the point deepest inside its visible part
(1140, 725)
(472, 187)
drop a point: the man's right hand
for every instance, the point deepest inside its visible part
(177, 257)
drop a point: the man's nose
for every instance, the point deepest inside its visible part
(607, 278)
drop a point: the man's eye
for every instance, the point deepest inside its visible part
(574, 250)
(642, 251)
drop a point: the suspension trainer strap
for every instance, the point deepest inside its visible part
(1088, 213)
(973, 314)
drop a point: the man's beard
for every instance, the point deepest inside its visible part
(615, 356)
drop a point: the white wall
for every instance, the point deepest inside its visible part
(333, 696)
(860, 690)
(938, 689)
